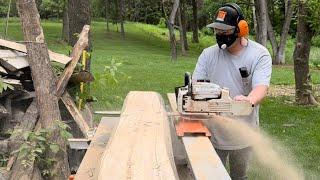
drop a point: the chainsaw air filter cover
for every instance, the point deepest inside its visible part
(205, 90)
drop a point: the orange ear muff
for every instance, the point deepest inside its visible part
(243, 28)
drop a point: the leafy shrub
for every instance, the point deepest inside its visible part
(315, 64)
(37, 144)
(51, 8)
(4, 86)
(162, 23)
(316, 41)
(207, 31)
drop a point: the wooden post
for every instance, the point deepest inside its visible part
(81, 44)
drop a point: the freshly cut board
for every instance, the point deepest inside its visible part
(140, 146)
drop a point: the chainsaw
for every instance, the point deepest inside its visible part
(203, 98)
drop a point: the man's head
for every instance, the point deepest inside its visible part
(229, 24)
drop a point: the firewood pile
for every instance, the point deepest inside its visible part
(16, 75)
(18, 105)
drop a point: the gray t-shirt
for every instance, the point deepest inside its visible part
(222, 68)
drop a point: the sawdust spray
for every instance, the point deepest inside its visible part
(263, 148)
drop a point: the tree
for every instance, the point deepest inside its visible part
(107, 9)
(65, 24)
(122, 17)
(306, 28)
(279, 50)
(170, 23)
(184, 24)
(182, 33)
(261, 14)
(79, 14)
(195, 37)
(43, 79)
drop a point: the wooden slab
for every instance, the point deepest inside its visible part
(90, 164)
(173, 103)
(140, 146)
(14, 63)
(178, 148)
(22, 48)
(204, 161)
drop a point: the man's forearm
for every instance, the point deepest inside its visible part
(257, 94)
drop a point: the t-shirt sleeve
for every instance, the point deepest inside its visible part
(200, 72)
(262, 71)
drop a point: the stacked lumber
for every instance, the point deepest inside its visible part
(15, 72)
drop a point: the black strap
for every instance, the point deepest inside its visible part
(237, 8)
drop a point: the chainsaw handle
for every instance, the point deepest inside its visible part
(187, 82)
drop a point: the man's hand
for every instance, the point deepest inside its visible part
(255, 96)
(243, 98)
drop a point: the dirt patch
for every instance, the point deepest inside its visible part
(289, 90)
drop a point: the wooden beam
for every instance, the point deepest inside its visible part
(108, 113)
(81, 44)
(140, 146)
(22, 48)
(88, 168)
(75, 113)
(179, 152)
(173, 103)
(204, 161)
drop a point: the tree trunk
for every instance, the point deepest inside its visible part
(280, 56)
(107, 3)
(65, 25)
(301, 58)
(43, 79)
(181, 29)
(261, 12)
(195, 36)
(7, 21)
(122, 17)
(184, 25)
(173, 43)
(272, 38)
(254, 17)
(79, 15)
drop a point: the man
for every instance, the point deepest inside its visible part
(244, 67)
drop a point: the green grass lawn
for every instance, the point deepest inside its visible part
(146, 66)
